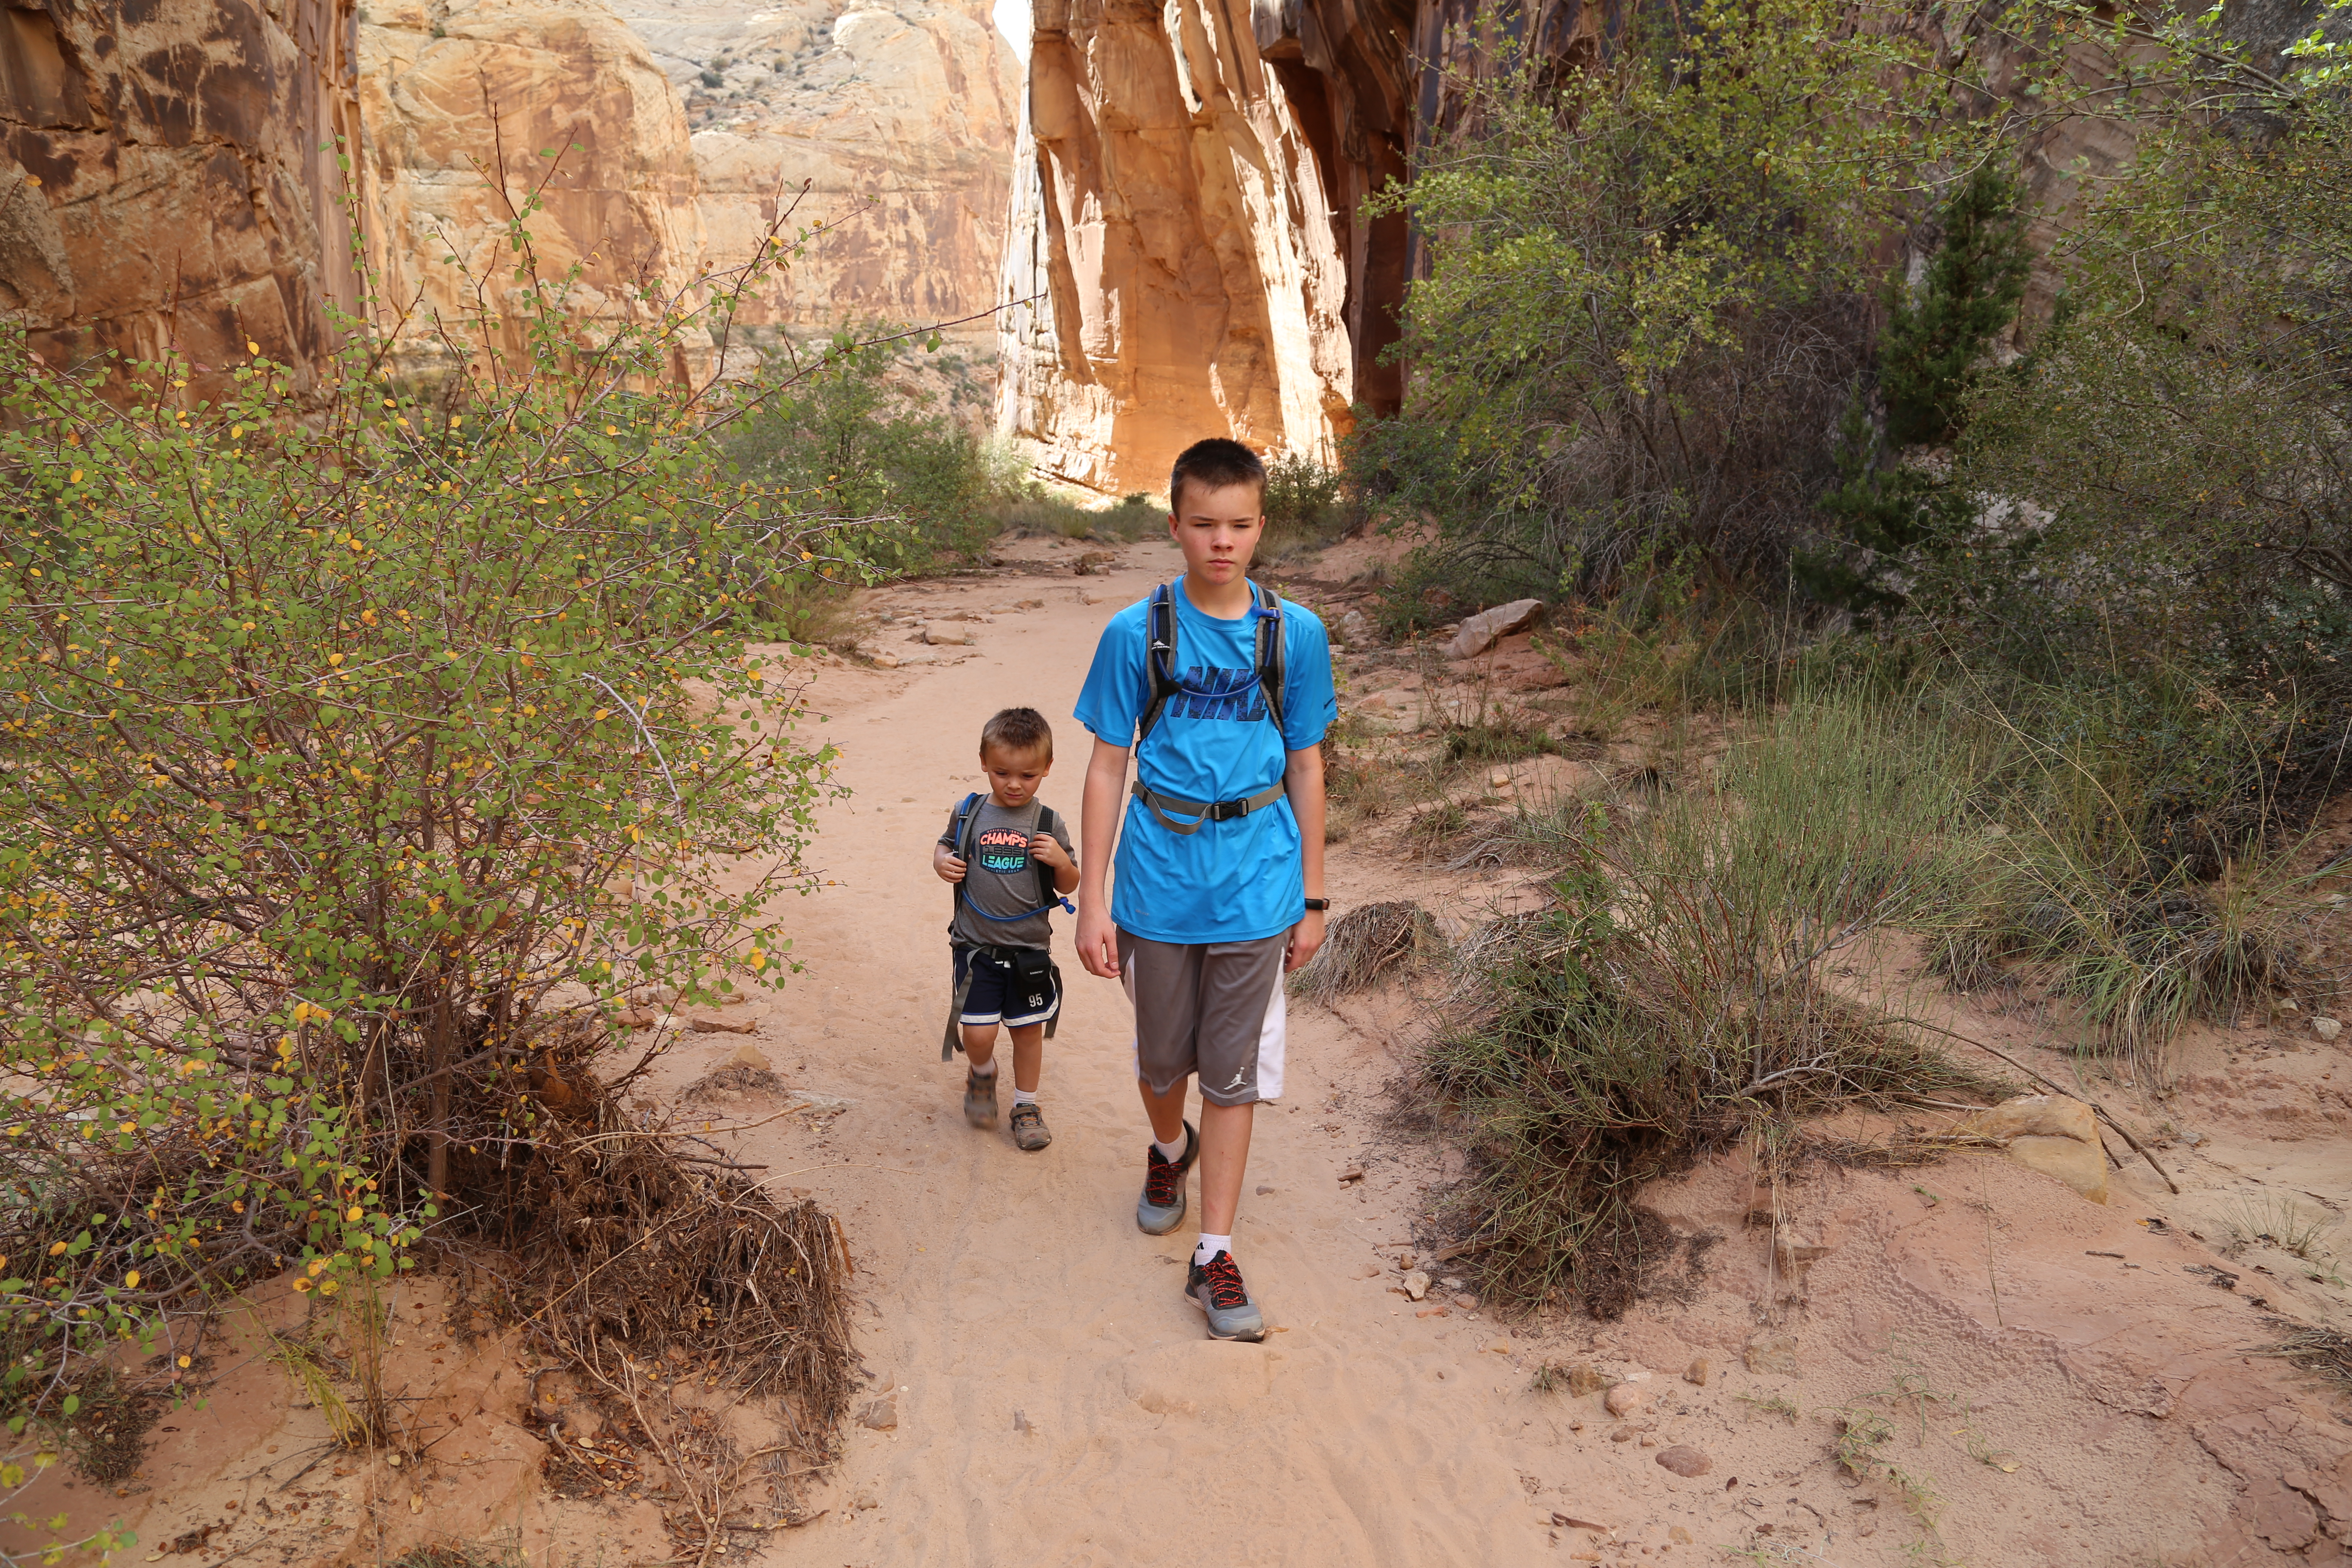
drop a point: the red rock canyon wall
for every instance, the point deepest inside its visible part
(162, 178)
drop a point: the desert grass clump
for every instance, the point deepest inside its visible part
(1366, 943)
(2093, 887)
(1672, 998)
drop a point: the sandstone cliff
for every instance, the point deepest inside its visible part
(1176, 231)
(162, 183)
(897, 117)
(448, 88)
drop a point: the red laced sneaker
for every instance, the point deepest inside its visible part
(1161, 1209)
(1215, 1287)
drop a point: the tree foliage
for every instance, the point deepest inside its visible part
(354, 754)
(2169, 475)
(1650, 286)
(1936, 339)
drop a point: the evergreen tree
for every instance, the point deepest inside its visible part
(1933, 342)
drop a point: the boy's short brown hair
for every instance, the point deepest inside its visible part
(1214, 463)
(1017, 730)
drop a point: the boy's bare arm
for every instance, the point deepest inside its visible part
(946, 864)
(1097, 826)
(1302, 780)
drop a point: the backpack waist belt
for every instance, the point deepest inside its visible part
(1201, 811)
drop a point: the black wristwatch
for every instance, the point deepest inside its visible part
(1318, 903)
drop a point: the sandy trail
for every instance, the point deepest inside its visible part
(1053, 1399)
(2061, 1382)
(1056, 1400)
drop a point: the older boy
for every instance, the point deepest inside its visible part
(1223, 691)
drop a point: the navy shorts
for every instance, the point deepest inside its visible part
(999, 995)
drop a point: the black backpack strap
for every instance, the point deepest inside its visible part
(967, 824)
(1047, 823)
(1159, 661)
(1273, 669)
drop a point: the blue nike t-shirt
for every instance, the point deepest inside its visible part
(1230, 881)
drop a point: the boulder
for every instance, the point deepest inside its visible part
(1487, 628)
(2054, 1133)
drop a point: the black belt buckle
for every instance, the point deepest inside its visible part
(1226, 810)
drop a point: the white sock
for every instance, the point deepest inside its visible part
(1172, 1152)
(1024, 1096)
(1209, 1246)
(983, 1070)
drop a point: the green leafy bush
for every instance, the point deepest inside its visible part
(1302, 503)
(356, 755)
(904, 491)
(1649, 292)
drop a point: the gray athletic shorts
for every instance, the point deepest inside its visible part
(1214, 1009)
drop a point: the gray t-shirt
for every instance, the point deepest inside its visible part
(1001, 879)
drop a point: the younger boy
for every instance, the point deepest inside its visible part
(1008, 856)
(1224, 690)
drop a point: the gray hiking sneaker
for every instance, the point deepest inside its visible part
(1161, 1209)
(1215, 1287)
(1029, 1130)
(978, 1099)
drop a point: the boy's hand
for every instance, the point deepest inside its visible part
(1098, 941)
(1049, 852)
(945, 863)
(1305, 938)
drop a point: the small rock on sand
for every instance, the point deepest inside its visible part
(723, 1026)
(1772, 1353)
(880, 1414)
(1487, 628)
(1684, 1461)
(885, 661)
(1464, 1300)
(939, 636)
(1416, 1284)
(1584, 1378)
(1623, 1400)
(750, 1056)
(2327, 1029)
(2055, 1133)
(1701, 1370)
(1355, 631)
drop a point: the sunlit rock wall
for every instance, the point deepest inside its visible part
(463, 102)
(161, 182)
(885, 125)
(1175, 243)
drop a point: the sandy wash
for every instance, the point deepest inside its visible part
(1223, 692)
